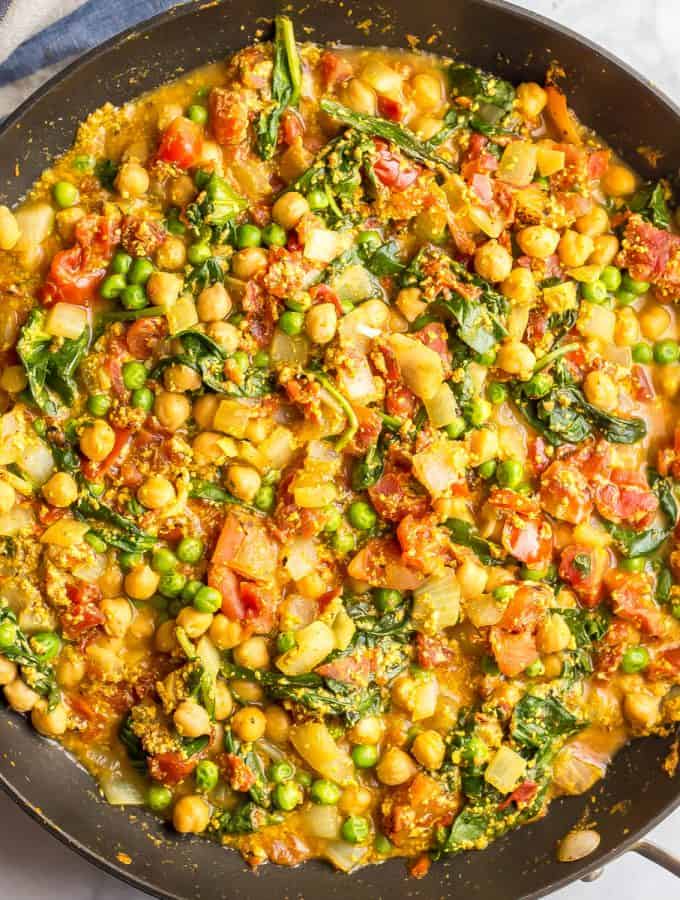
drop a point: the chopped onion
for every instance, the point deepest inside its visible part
(323, 245)
(578, 844)
(343, 629)
(518, 163)
(484, 610)
(37, 461)
(322, 822)
(424, 698)
(66, 320)
(301, 557)
(506, 770)
(16, 520)
(620, 356)
(518, 319)
(65, 533)
(345, 856)
(373, 314)
(120, 790)
(289, 351)
(354, 284)
(314, 643)
(436, 603)
(315, 744)
(311, 493)
(421, 368)
(492, 226)
(278, 448)
(440, 466)
(93, 569)
(356, 380)
(575, 770)
(209, 655)
(442, 409)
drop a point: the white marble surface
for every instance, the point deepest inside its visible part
(34, 866)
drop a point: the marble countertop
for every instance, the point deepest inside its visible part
(35, 866)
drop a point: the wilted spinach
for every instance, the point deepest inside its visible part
(286, 85)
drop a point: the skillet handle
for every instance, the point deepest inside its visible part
(659, 856)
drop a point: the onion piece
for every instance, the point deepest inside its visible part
(314, 643)
(289, 351)
(345, 856)
(442, 409)
(440, 466)
(301, 557)
(484, 610)
(37, 461)
(278, 448)
(518, 163)
(436, 603)
(17, 519)
(506, 770)
(578, 844)
(322, 822)
(315, 744)
(121, 790)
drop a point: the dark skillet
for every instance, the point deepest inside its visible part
(630, 114)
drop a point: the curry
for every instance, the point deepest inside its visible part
(338, 454)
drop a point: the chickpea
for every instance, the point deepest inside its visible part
(606, 246)
(600, 390)
(257, 430)
(247, 263)
(163, 288)
(164, 639)
(654, 320)
(360, 97)
(171, 409)
(8, 497)
(368, 730)
(312, 586)
(277, 726)
(111, 580)
(206, 448)
(211, 157)
(669, 381)
(20, 696)
(224, 703)
(427, 91)
(167, 113)
(429, 749)
(249, 723)
(9, 229)
(355, 800)
(191, 720)
(289, 209)
(8, 671)
(321, 322)
(395, 767)
(97, 440)
(520, 286)
(575, 248)
(554, 634)
(180, 377)
(253, 653)
(141, 582)
(227, 336)
(426, 126)
(409, 303)
(627, 328)
(13, 379)
(641, 710)
(204, 410)
(143, 624)
(382, 77)
(618, 181)
(104, 656)
(225, 633)
(531, 99)
(472, 579)
(515, 358)
(553, 665)
(156, 492)
(132, 180)
(593, 223)
(243, 481)
(538, 241)
(195, 623)
(182, 190)
(66, 221)
(214, 303)
(60, 490)
(172, 254)
(493, 261)
(118, 614)
(50, 722)
(191, 814)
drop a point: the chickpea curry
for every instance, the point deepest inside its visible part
(338, 454)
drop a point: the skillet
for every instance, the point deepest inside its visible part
(48, 784)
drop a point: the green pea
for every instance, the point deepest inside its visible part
(343, 541)
(163, 561)
(133, 297)
(198, 114)
(190, 589)
(248, 236)
(84, 163)
(65, 194)
(198, 253)
(97, 544)
(635, 287)
(355, 829)
(538, 386)
(207, 775)
(633, 564)
(635, 659)
(487, 469)
(476, 751)
(142, 398)
(365, 756)
(207, 600)
(480, 410)
(387, 599)
(643, 353)
(486, 359)
(291, 322)
(140, 271)
(265, 498)
(611, 278)
(134, 375)
(510, 473)
(666, 352)
(46, 645)
(370, 238)
(361, 515)
(382, 845)
(285, 641)
(8, 634)
(174, 224)
(158, 797)
(40, 427)
(98, 404)
(595, 291)
(303, 778)
(497, 393)
(317, 199)
(324, 792)
(300, 302)
(129, 560)
(676, 610)
(536, 669)
(171, 584)
(625, 298)
(281, 771)
(529, 574)
(274, 235)
(333, 520)
(261, 360)
(489, 665)
(287, 796)
(190, 550)
(121, 262)
(504, 592)
(112, 286)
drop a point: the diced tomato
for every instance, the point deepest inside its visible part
(239, 774)
(229, 541)
(513, 652)
(388, 169)
(334, 69)
(565, 493)
(368, 432)
(181, 143)
(259, 607)
(537, 454)
(144, 335)
(651, 254)
(93, 471)
(510, 501)
(432, 651)
(632, 599)
(355, 668)
(400, 401)
(225, 581)
(523, 793)
(172, 767)
(481, 185)
(380, 563)
(477, 160)
(584, 568)
(390, 109)
(529, 540)
(525, 609)
(292, 127)
(627, 499)
(420, 866)
(435, 336)
(396, 495)
(228, 112)
(611, 647)
(424, 544)
(72, 280)
(598, 163)
(417, 806)
(643, 386)
(84, 613)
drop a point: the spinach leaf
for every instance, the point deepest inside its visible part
(192, 746)
(259, 790)
(367, 470)
(37, 672)
(384, 260)
(463, 533)
(256, 382)
(537, 721)
(120, 532)
(650, 202)
(587, 627)
(105, 171)
(206, 274)
(491, 97)
(245, 819)
(206, 490)
(216, 207)
(373, 126)
(132, 744)
(200, 353)
(286, 85)
(641, 543)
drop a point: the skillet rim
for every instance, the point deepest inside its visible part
(143, 29)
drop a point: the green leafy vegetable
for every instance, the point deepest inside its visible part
(106, 171)
(463, 533)
(133, 745)
(215, 208)
(206, 490)
(587, 627)
(36, 672)
(491, 97)
(352, 421)
(120, 532)
(245, 819)
(202, 355)
(537, 721)
(650, 202)
(286, 85)
(368, 469)
(384, 260)
(207, 273)
(259, 790)
(641, 543)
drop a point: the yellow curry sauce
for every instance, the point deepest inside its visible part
(338, 454)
